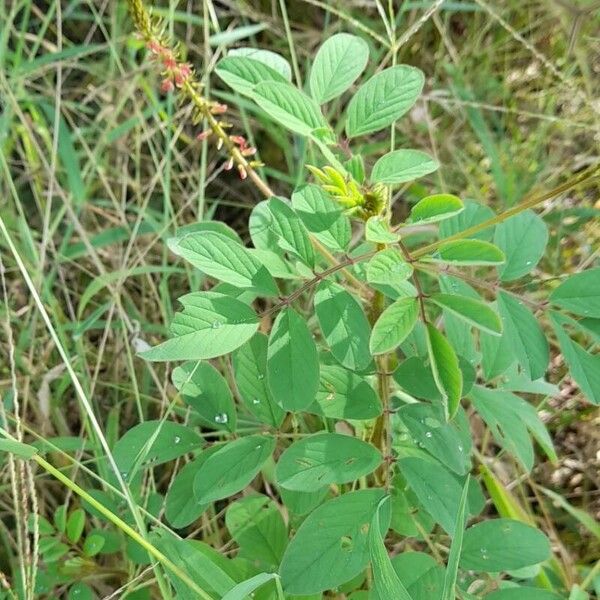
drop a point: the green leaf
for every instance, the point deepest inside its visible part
(460, 337)
(245, 588)
(17, 448)
(290, 107)
(468, 252)
(322, 216)
(337, 65)
(446, 371)
(250, 368)
(523, 240)
(474, 312)
(181, 508)
(204, 389)
(386, 583)
(497, 354)
(224, 259)
(75, 525)
(154, 442)
(426, 425)
(60, 518)
(93, 544)
(473, 214)
(257, 526)
(449, 591)
(276, 264)
(402, 165)
(388, 267)
(266, 57)
(198, 562)
(383, 99)
(584, 367)
(292, 362)
(80, 591)
(409, 518)
(344, 325)
(436, 208)
(393, 325)
(436, 488)
(422, 576)
(243, 73)
(331, 545)
(210, 325)
(344, 395)
(289, 231)
(510, 418)
(325, 458)
(503, 545)
(579, 293)
(377, 229)
(414, 376)
(301, 503)
(230, 469)
(526, 337)
(522, 592)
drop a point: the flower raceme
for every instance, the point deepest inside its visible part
(178, 76)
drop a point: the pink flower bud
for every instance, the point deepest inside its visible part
(204, 134)
(167, 86)
(249, 151)
(185, 70)
(229, 164)
(239, 140)
(243, 172)
(218, 109)
(169, 61)
(154, 47)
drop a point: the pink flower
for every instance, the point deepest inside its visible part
(169, 61)
(243, 172)
(204, 134)
(185, 70)
(229, 164)
(218, 109)
(167, 86)
(239, 140)
(249, 151)
(154, 47)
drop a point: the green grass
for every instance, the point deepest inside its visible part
(98, 169)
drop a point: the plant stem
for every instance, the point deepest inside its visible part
(588, 174)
